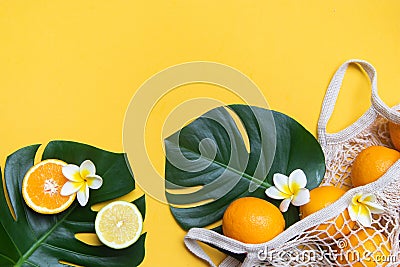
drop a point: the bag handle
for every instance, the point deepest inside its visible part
(383, 109)
(333, 91)
(213, 238)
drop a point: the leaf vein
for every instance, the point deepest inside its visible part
(41, 240)
(29, 223)
(242, 174)
(7, 258)
(69, 251)
(32, 264)
(12, 241)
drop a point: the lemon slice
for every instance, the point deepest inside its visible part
(119, 224)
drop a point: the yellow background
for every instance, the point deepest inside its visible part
(68, 69)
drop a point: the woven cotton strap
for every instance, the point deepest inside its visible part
(333, 91)
(212, 238)
(230, 262)
(383, 109)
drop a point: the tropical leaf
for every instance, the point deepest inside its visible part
(210, 157)
(33, 239)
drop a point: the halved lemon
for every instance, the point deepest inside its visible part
(42, 185)
(119, 224)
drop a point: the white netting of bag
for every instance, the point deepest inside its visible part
(339, 241)
(341, 154)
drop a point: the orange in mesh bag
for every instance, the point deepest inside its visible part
(310, 242)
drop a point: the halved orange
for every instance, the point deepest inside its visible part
(42, 185)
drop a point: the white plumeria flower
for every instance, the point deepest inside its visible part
(291, 189)
(80, 179)
(362, 206)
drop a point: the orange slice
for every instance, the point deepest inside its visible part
(42, 185)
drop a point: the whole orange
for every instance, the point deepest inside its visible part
(371, 163)
(366, 247)
(321, 197)
(252, 220)
(394, 131)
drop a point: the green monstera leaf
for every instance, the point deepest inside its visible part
(33, 239)
(209, 156)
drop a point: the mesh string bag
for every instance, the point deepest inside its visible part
(318, 239)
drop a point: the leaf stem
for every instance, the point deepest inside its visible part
(35, 246)
(242, 174)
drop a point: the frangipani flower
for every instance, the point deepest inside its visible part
(291, 189)
(80, 180)
(362, 206)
